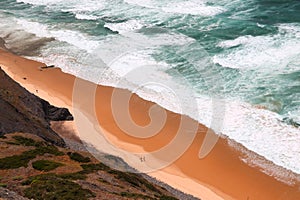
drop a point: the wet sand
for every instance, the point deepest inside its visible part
(220, 175)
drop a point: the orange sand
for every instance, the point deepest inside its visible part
(220, 175)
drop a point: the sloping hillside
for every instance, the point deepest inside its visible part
(36, 169)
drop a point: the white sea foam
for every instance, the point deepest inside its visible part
(193, 8)
(123, 27)
(72, 37)
(242, 40)
(184, 7)
(268, 167)
(86, 16)
(87, 5)
(40, 2)
(257, 129)
(142, 3)
(81, 8)
(263, 132)
(260, 52)
(130, 61)
(114, 46)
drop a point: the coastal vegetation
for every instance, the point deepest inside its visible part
(45, 158)
(51, 186)
(78, 157)
(45, 165)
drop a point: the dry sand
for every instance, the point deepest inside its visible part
(220, 175)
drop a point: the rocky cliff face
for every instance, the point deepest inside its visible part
(21, 111)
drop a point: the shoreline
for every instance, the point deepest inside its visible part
(221, 174)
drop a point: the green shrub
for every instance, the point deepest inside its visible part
(78, 157)
(51, 186)
(26, 141)
(90, 168)
(45, 165)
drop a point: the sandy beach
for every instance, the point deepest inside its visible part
(220, 175)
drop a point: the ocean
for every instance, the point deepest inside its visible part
(232, 65)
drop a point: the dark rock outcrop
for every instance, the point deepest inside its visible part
(56, 114)
(21, 111)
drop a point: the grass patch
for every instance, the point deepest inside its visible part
(45, 165)
(78, 157)
(16, 161)
(51, 186)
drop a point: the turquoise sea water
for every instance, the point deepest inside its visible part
(246, 53)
